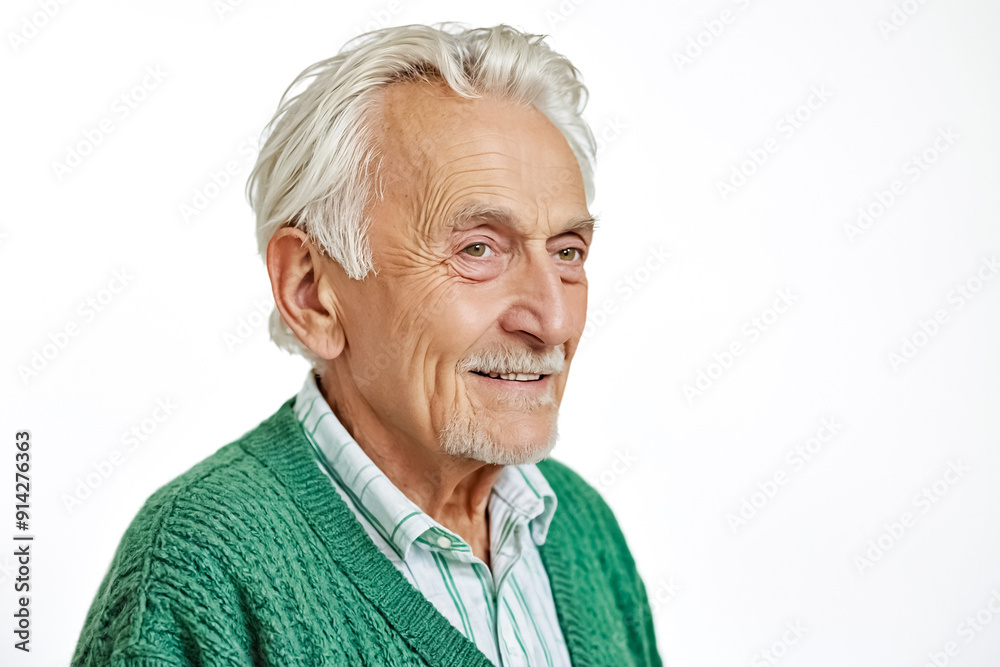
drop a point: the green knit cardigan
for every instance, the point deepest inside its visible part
(252, 558)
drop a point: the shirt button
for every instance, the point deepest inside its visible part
(444, 542)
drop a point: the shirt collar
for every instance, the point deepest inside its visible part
(398, 519)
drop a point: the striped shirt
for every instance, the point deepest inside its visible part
(509, 612)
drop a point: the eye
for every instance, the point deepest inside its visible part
(569, 254)
(477, 250)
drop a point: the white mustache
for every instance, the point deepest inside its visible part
(504, 360)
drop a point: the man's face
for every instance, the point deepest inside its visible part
(478, 245)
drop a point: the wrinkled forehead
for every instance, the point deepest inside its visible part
(427, 117)
(436, 145)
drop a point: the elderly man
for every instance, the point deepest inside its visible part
(422, 205)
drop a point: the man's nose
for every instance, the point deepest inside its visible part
(542, 306)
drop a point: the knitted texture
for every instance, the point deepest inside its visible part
(252, 558)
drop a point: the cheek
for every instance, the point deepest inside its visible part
(472, 311)
(421, 333)
(577, 298)
(385, 328)
(465, 317)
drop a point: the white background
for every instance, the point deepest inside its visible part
(675, 466)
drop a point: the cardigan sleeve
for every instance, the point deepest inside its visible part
(165, 601)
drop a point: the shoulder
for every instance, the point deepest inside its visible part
(580, 505)
(185, 538)
(594, 548)
(569, 486)
(230, 476)
(209, 491)
(584, 521)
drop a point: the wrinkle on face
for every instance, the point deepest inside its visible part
(439, 152)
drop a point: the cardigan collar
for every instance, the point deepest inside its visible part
(285, 452)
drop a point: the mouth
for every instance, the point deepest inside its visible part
(511, 377)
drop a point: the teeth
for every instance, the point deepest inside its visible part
(516, 377)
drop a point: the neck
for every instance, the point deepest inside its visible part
(455, 492)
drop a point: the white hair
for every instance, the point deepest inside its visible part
(318, 169)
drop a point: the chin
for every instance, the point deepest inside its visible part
(517, 441)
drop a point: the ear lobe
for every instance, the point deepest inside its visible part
(293, 264)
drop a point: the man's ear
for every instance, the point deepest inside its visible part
(294, 265)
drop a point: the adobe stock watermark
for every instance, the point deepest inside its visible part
(794, 631)
(796, 458)
(927, 329)
(122, 106)
(924, 501)
(223, 8)
(711, 31)
(248, 324)
(635, 617)
(88, 310)
(899, 16)
(380, 18)
(622, 463)
(610, 131)
(912, 170)
(786, 127)
(218, 180)
(33, 23)
(970, 628)
(749, 332)
(103, 469)
(665, 591)
(559, 13)
(625, 288)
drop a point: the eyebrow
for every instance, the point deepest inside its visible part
(477, 212)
